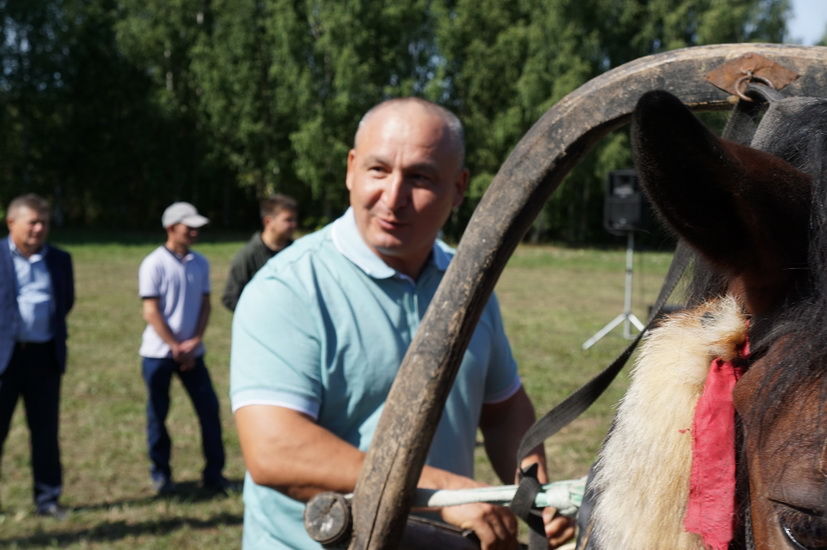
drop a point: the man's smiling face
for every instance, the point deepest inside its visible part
(404, 176)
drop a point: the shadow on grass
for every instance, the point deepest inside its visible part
(185, 492)
(116, 530)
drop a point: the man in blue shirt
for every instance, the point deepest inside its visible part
(36, 293)
(321, 330)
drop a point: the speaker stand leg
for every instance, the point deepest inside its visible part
(627, 317)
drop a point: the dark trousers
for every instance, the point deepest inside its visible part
(34, 374)
(157, 375)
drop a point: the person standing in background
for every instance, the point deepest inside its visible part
(174, 286)
(279, 219)
(37, 291)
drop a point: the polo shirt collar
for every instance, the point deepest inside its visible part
(180, 259)
(348, 241)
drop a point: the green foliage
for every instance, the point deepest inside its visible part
(114, 108)
(507, 65)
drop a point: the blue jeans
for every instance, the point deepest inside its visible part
(157, 375)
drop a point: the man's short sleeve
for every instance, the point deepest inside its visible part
(275, 355)
(149, 278)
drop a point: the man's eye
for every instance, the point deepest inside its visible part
(804, 529)
(420, 179)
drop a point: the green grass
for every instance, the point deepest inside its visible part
(552, 299)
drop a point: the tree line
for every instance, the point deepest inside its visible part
(115, 108)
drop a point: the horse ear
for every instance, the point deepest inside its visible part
(745, 210)
(683, 168)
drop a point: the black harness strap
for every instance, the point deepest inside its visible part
(523, 506)
(574, 405)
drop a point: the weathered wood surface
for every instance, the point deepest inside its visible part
(530, 174)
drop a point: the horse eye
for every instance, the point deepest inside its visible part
(805, 530)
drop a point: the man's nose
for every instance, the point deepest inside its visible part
(396, 193)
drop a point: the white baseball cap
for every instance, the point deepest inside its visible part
(182, 212)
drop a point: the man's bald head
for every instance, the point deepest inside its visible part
(405, 175)
(455, 132)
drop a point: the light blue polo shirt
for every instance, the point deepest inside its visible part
(322, 328)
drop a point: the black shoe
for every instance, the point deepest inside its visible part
(164, 487)
(218, 486)
(52, 510)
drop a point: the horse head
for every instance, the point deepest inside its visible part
(757, 216)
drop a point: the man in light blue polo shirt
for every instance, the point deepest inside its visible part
(320, 332)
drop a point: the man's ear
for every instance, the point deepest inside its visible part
(351, 160)
(461, 185)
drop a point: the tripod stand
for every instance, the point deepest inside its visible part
(627, 317)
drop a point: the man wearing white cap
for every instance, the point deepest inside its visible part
(174, 286)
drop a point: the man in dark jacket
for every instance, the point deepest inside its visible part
(36, 294)
(279, 219)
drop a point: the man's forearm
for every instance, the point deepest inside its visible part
(203, 317)
(156, 320)
(288, 451)
(503, 425)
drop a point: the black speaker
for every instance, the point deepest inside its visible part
(625, 207)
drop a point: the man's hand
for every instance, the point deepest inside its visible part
(181, 351)
(559, 529)
(184, 353)
(187, 347)
(495, 526)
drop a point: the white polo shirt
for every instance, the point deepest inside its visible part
(180, 285)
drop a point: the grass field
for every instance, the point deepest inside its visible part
(552, 299)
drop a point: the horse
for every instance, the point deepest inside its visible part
(721, 440)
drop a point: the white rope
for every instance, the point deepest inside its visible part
(565, 496)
